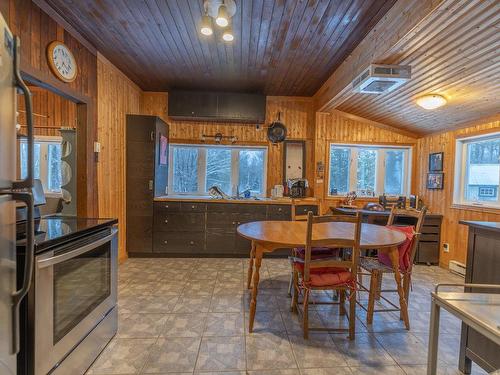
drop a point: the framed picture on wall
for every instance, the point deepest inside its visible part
(436, 162)
(435, 180)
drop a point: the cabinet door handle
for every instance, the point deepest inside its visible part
(193, 207)
(166, 220)
(279, 209)
(166, 206)
(165, 242)
(234, 222)
(152, 135)
(239, 223)
(191, 242)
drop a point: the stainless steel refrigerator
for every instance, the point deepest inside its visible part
(12, 287)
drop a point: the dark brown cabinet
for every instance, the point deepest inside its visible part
(483, 265)
(209, 228)
(146, 178)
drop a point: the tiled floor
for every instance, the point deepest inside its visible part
(189, 316)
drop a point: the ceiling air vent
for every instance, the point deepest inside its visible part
(378, 78)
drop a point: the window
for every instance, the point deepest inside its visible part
(477, 169)
(369, 170)
(195, 169)
(47, 162)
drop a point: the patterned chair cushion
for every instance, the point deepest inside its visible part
(404, 249)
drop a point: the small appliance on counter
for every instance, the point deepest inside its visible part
(297, 187)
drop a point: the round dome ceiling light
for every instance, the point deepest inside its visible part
(431, 101)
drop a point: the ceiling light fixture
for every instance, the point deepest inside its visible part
(228, 34)
(431, 101)
(222, 18)
(206, 25)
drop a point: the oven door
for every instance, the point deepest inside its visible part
(75, 288)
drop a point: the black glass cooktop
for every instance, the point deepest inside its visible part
(55, 230)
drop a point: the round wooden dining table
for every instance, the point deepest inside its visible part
(267, 236)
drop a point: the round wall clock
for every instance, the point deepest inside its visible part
(61, 61)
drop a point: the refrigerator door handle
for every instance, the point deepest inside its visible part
(28, 181)
(29, 260)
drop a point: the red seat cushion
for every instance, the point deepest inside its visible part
(318, 252)
(326, 276)
(404, 249)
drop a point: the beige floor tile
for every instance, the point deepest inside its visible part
(140, 325)
(404, 348)
(317, 351)
(365, 350)
(172, 355)
(226, 303)
(224, 324)
(123, 356)
(384, 370)
(221, 353)
(146, 304)
(268, 351)
(192, 304)
(326, 371)
(267, 321)
(184, 325)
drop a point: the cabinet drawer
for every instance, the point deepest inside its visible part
(429, 237)
(166, 242)
(179, 222)
(226, 222)
(242, 218)
(430, 229)
(167, 206)
(193, 207)
(279, 212)
(432, 221)
(219, 242)
(428, 252)
(303, 210)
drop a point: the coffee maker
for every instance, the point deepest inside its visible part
(297, 187)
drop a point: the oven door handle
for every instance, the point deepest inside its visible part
(43, 263)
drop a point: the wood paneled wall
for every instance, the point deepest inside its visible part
(118, 96)
(341, 127)
(52, 112)
(36, 30)
(441, 201)
(296, 113)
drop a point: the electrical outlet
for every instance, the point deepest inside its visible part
(446, 247)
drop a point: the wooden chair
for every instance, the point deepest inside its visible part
(376, 269)
(316, 252)
(327, 273)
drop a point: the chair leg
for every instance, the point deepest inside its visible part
(352, 314)
(371, 297)
(305, 323)
(295, 287)
(290, 284)
(342, 302)
(406, 290)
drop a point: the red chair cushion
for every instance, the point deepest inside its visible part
(404, 249)
(326, 276)
(318, 252)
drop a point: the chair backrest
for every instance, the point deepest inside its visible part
(351, 241)
(419, 215)
(389, 202)
(295, 205)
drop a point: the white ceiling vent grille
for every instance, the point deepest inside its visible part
(378, 78)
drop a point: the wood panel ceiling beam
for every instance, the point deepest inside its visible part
(402, 22)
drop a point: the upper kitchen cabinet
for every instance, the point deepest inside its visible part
(214, 106)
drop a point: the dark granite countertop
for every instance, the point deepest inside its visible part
(490, 225)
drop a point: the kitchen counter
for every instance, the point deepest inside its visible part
(208, 199)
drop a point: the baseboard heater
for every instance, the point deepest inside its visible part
(457, 268)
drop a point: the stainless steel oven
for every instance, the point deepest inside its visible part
(75, 303)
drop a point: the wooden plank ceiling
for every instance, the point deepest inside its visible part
(281, 47)
(455, 53)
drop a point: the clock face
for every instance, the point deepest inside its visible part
(62, 61)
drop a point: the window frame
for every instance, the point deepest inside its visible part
(44, 141)
(202, 170)
(380, 166)
(461, 171)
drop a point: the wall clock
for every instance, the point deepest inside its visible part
(61, 61)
